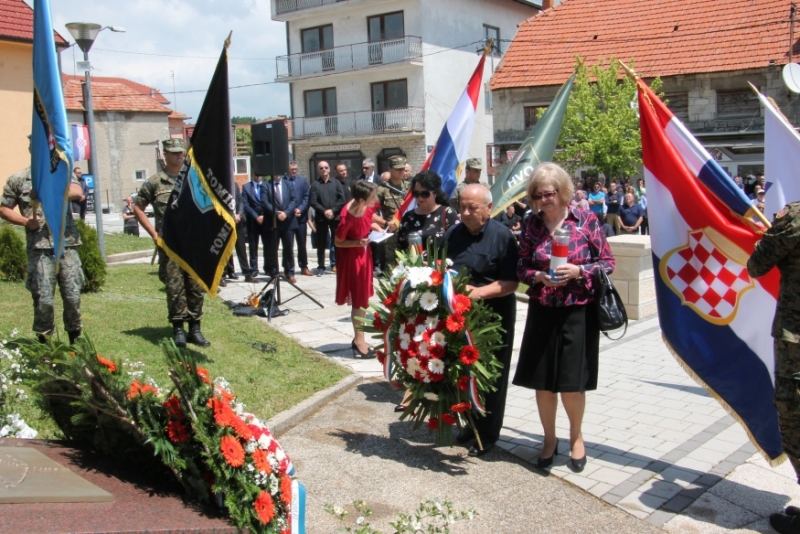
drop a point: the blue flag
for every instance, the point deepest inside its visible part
(51, 147)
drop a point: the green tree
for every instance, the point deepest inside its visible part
(13, 259)
(601, 127)
(94, 267)
(243, 120)
(243, 142)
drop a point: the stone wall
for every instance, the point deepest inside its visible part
(633, 276)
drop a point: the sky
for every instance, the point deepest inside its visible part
(184, 37)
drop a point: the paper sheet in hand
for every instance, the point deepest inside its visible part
(379, 237)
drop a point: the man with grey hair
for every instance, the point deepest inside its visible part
(368, 172)
(489, 252)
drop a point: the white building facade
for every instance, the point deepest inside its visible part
(377, 78)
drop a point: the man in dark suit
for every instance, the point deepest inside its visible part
(278, 204)
(251, 199)
(368, 172)
(298, 228)
(241, 240)
(327, 199)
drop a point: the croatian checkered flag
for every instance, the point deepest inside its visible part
(81, 150)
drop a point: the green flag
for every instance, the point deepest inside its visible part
(538, 147)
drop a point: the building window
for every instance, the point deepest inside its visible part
(241, 166)
(388, 26)
(319, 38)
(532, 114)
(742, 103)
(320, 102)
(389, 95)
(140, 175)
(678, 104)
(490, 32)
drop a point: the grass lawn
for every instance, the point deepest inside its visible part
(128, 319)
(116, 243)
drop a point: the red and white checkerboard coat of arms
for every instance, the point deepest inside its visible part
(709, 274)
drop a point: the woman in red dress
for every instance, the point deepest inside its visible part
(354, 259)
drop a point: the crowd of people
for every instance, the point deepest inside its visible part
(620, 206)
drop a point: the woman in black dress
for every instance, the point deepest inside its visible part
(431, 217)
(560, 346)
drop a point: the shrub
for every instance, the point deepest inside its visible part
(94, 266)
(13, 259)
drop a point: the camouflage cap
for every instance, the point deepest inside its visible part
(174, 145)
(475, 163)
(397, 162)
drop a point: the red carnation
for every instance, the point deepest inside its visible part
(377, 323)
(461, 407)
(423, 362)
(420, 319)
(265, 508)
(410, 329)
(381, 356)
(448, 419)
(436, 377)
(391, 299)
(232, 451)
(433, 423)
(463, 383)
(404, 357)
(173, 407)
(437, 351)
(441, 325)
(436, 278)
(413, 346)
(469, 355)
(426, 336)
(177, 431)
(455, 323)
(461, 304)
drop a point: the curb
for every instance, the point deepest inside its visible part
(288, 419)
(125, 256)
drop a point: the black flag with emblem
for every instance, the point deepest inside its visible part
(199, 232)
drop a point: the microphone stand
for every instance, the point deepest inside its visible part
(272, 309)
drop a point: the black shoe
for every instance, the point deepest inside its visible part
(784, 523)
(179, 333)
(577, 464)
(544, 463)
(399, 408)
(42, 338)
(232, 276)
(465, 436)
(362, 355)
(475, 452)
(196, 336)
(75, 334)
(223, 283)
(792, 510)
(250, 278)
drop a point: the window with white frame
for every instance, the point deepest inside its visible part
(241, 166)
(140, 175)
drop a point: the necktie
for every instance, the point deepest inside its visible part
(257, 188)
(278, 196)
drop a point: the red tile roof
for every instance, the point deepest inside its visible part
(114, 94)
(16, 23)
(664, 37)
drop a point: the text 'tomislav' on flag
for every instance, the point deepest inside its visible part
(199, 232)
(51, 149)
(714, 317)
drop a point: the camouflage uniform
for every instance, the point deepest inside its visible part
(455, 200)
(42, 277)
(780, 247)
(391, 197)
(184, 294)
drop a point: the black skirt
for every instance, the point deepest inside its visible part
(560, 349)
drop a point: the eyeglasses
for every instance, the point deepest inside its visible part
(421, 194)
(550, 195)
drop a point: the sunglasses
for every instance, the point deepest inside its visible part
(547, 196)
(366, 168)
(421, 194)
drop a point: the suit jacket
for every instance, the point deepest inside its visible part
(376, 178)
(251, 203)
(301, 191)
(347, 188)
(271, 206)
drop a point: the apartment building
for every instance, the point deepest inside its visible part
(377, 78)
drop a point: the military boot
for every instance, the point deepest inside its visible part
(75, 334)
(179, 333)
(196, 336)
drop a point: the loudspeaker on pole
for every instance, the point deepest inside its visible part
(270, 148)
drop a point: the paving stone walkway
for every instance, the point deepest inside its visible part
(659, 446)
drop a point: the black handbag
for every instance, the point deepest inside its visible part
(611, 313)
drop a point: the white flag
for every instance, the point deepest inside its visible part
(781, 160)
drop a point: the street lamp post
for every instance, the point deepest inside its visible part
(84, 34)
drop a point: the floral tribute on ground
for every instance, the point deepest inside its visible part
(195, 429)
(437, 343)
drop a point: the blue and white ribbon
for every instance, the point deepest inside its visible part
(298, 508)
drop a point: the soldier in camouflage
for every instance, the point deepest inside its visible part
(391, 195)
(472, 175)
(42, 276)
(184, 294)
(780, 247)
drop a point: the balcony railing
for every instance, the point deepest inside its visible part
(350, 57)
(360, 123)
(287, 6)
